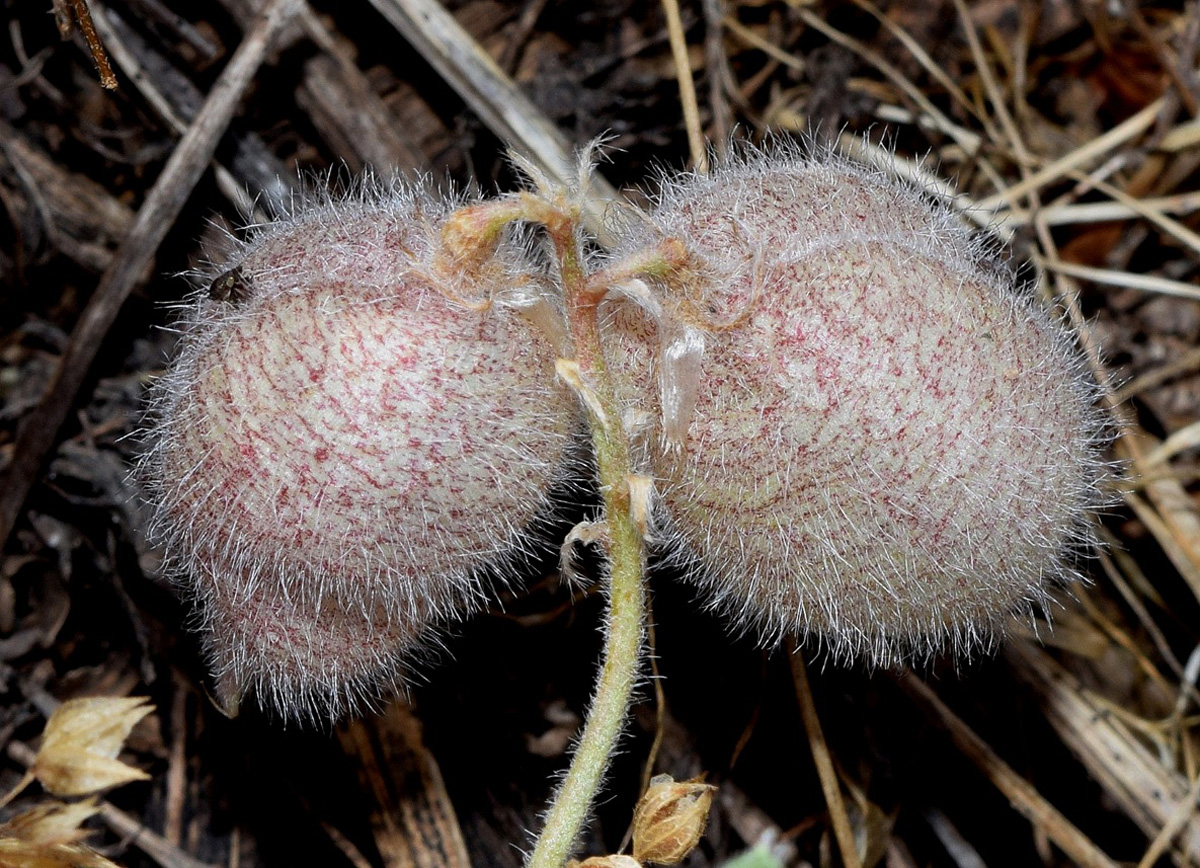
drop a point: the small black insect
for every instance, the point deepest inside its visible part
(231, 287)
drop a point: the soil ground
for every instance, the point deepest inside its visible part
(1071, 127)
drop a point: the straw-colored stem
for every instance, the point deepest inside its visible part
(687, 88)
(843, 832)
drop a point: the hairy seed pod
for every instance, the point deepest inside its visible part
(352, 444)
(891, 448)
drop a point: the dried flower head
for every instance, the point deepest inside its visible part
(613, 861)
(49, 836)
(81, 741)
(669, 819)
(886, 444)
(355, 439)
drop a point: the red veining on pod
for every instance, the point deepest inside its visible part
(344, 454)
(893, 448)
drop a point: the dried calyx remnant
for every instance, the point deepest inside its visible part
(859, 427)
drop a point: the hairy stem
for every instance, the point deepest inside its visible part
(626, 614)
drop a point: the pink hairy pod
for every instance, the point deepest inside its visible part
(871, 435)
(355, 441)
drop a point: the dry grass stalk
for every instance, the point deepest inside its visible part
(830, 786)
(1150, 794)
(1048, 820)
(472, 72)
(1009, 152)
(155, 217)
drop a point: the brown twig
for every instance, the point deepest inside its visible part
(412, 817)
(1025, 798)
(495, 97)
(888, 69)
(176, 777)
(176, 100)
(164, 202)
(152, 844)
(1169, 64)
(520, 35)
(77, 14)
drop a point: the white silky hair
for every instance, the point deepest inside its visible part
(307, 585)
(778, 585)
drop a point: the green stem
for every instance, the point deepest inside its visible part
(626, 616)
(607, 715)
